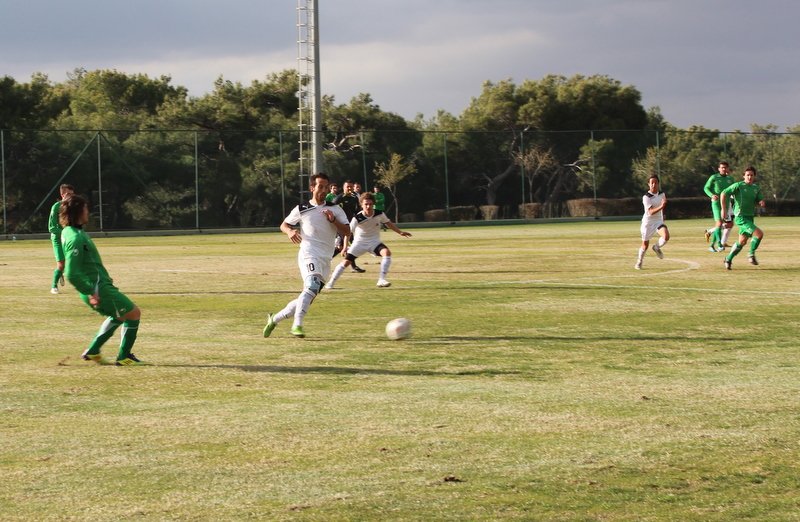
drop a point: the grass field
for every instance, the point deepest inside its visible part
(545, 380)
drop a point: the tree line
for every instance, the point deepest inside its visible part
(231, 156)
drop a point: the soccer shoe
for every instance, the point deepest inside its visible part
(638, 265)
(297, 331)
(727, 264)
(130, 360)
(708, 235)
(94, 357)
(658, 251)
(383, 283)
(329, 286)
(725, 245)
(54, 290)
(752, 260)
(61, 279)
(712, 248)
(271, 324)
(358, 269)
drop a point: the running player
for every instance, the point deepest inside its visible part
(55, 237)
(653, 221)
(319, 222)
(85, 271)
(746, 195)
(366, 228)
(717, 183)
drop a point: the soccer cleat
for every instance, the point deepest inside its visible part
(61, 280)
(752, 260)
(54, 290)
(725, 245)
(383, 283)
(329, 286)
(94, 357)
(358, 269)
(130, 360)
(708, 235)
(727, 264)
(271, 324)
(638, 265)
(297, 331)
(712, 248)
(658, 251)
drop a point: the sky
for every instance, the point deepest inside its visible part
(722, 64)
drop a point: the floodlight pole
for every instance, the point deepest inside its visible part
(317, 164)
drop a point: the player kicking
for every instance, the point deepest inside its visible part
(85, 271)
(366, 227)
(745, 195)
(319, 222)
(653, 221)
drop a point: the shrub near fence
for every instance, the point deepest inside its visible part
(677, 208)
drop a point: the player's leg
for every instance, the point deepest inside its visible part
(337, 272)
(58, 273)
(758, 235)
(107, 329)
(312, 286)
(386, 261)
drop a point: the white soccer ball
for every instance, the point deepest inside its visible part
(399, 328)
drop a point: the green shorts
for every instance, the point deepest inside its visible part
(746, 224)
(58, 250)
(113, 303)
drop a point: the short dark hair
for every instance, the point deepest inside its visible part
(655, 177)
(366, 196)
(724, 163)
(319, 175)
(751, 169)
(71, 210)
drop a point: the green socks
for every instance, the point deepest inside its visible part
(735, 249)
(753, 245)
(129, 330)
(56, 277)
(107, 329)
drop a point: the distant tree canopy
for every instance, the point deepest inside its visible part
(230, 157)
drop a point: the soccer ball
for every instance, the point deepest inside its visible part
(399, 328)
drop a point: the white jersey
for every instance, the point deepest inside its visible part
(317, 233)
(366, 232)
(649, 201)
(651, 223)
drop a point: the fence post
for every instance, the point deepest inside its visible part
(522, 165)
(99, 181)
(3, 169)
(594, 176)
(446, 180)
(283, 187)
(196, 185)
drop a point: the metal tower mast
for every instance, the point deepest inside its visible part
(308, 93)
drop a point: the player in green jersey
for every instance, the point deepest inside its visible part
(717, 183)
(55, 237)
(745, 195)
(85, 271)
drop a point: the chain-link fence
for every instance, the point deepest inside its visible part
(190, 179)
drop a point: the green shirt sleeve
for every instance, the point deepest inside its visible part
(78, 263)
(53, 225)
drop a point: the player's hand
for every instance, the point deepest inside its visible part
(94, 300)
(294, 236)
(405, 234)
(329, 215)
(714, 197)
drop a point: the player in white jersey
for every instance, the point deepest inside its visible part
(653, 221)
(366, 227)
(313, 226)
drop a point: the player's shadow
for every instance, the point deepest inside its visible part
(343, 370)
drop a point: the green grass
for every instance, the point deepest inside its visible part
(545, 380)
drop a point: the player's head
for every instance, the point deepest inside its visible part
(347, 187)
(334, 188)
(65, 190)
(652, 183)
(74, 211)
(318, 183)
(723, 168)
(367, 201)
(357, 187)
(749, 175)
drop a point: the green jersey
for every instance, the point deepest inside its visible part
(716, 184)
(83, 267)
(745, 198)
(53, 225)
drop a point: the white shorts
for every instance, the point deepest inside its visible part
(314, 265)
(359, 248)
(650, 229)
